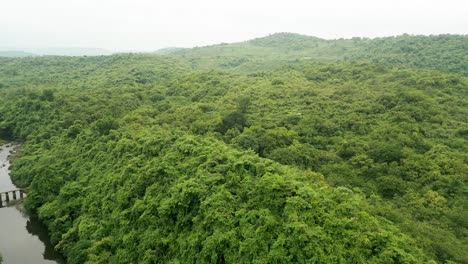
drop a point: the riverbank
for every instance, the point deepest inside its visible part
(2, 142)
(26, 238)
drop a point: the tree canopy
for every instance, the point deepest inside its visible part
(188, 157)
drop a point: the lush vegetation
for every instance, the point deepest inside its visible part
(443, 52)
(175, 158)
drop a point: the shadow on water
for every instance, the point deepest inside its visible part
(36, 228)
(24, 239)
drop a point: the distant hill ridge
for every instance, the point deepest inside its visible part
(447, 53)
(65, 51)
(74, 51)
(15, 53)
(285, 39)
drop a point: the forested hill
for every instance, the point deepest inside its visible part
(88, 72)
(442, 52)
(175, 158)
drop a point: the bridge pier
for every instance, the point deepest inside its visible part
(18, 194)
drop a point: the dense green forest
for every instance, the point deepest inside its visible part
(445, 53)
(283, 149)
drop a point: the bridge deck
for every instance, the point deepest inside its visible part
(13, 195)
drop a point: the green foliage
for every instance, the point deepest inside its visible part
(442, 52)
(135, 158)
(193, 199)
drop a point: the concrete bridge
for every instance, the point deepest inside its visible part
(13, 195)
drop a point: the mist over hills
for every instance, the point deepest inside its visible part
(64, 51)
(276, 50)
(73, 51)
(15, 53)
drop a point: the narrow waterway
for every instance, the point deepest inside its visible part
(23, 240)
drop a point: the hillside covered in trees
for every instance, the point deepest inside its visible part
(283, 149)
(445, 53)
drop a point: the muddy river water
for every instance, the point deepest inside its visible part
(23, 239)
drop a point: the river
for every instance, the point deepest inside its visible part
(23, 239)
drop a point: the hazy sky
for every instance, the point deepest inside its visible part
(149, 25)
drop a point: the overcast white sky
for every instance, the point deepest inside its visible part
(149, 25)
